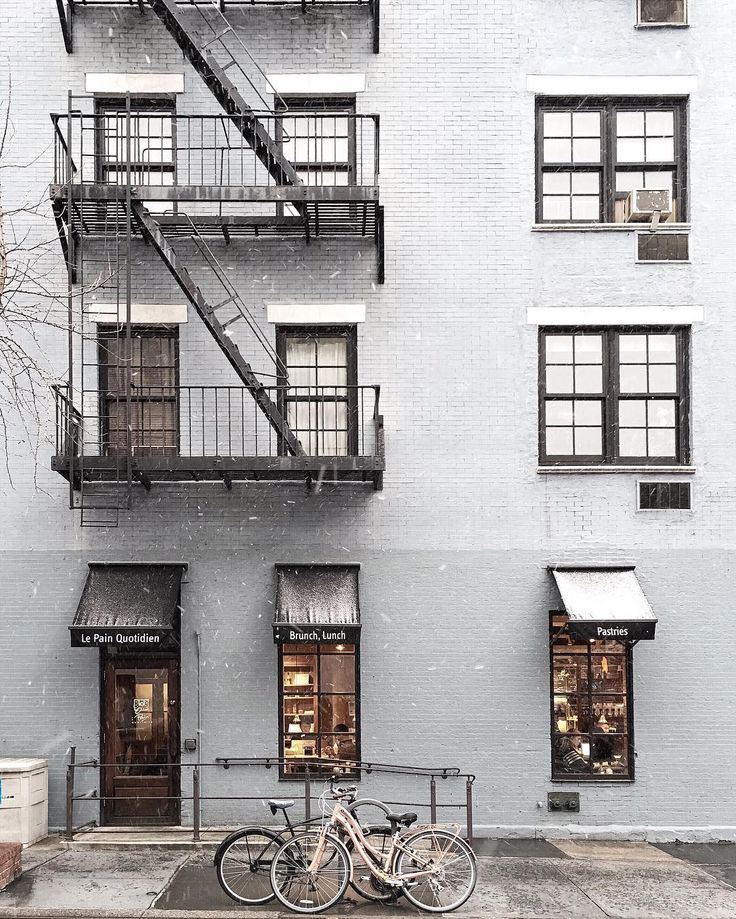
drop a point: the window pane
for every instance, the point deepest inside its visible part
(630, 124)
(557, 151)
(660, 149)
(585, 183)
(558, 349)
(632, 349)
(558, 412)
(559, 379)
(632, 442)
(661, 123)
(587, 412)
(585, 208)
(662, 442)
(557, 124)
(558, 441)
(630, 150)
(588, 349)
(586, 124)
(588, 379)
(662, 349)
(586, 150)
(661, 413)
(633, 378)
(662, 378)
(556, 183)
(632, 413)
(556, 208)
(588, 441)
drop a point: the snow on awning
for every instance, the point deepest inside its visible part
(605, 603)
(317, 603)
(130, 605)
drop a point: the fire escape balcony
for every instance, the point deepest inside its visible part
(218, 433)
(68, 10)
(258, 174)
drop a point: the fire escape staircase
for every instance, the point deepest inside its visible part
(152, 233)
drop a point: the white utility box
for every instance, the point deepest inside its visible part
(24, 800)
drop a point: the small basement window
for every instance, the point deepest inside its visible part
(662, 12)
(664, 496)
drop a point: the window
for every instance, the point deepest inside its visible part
(592, 720)
(614, 396)
(662, 12)
(152, 356)
(318, 138)
(321, 397)
(319, 693)
(592, 154)
(152, 141)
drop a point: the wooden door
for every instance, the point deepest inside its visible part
(141, 741)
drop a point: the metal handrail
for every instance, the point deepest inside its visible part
(314, 770)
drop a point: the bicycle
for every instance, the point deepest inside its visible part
(243, 859)
(432, 866)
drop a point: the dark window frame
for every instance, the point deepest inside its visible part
(298, 776)
(627, 651)
(608, 107)
(322, 105)
(611, 396)
(350, 332)
(139, 105)
(115, 333)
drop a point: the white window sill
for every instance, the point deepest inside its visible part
(662, 25)
(663, 261)
(607, 227)
(617, 470)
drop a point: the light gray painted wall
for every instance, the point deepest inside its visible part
(454, 590)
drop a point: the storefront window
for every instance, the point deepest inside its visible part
(592, 725)
(319, 716)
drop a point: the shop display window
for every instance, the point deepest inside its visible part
(319, 715)
(592, 719)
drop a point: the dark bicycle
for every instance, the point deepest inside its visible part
(243, 859)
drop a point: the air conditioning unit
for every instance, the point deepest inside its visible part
(643, 204)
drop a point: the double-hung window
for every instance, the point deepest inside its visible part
(592, 153)
(317, 135)
(320, 399)
(149, 413)
(145, 138)
(613, 396)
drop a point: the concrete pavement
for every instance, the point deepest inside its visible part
(518, 879)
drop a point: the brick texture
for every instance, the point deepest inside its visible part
(453, 553)
(10, 862)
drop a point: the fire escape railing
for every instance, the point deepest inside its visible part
(328, 150)
(220, 421)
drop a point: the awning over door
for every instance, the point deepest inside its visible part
(128, 605)
(317, 603)
(605, 603)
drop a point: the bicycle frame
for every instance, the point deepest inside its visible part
(379, 866)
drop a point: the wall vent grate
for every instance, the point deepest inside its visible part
(664, 496)
(663, 247)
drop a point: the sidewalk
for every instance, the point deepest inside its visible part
(518, 879)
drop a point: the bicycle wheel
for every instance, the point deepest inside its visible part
(243, 864)
(364, 882)
(450, 869)
(310, 891)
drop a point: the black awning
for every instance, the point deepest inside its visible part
(317, 603)
(127, 605)
(605, 604)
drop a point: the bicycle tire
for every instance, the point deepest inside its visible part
(292, 883)
(414, 891)
(229, 864)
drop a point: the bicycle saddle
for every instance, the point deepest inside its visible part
(402, 819)
(280, 804)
